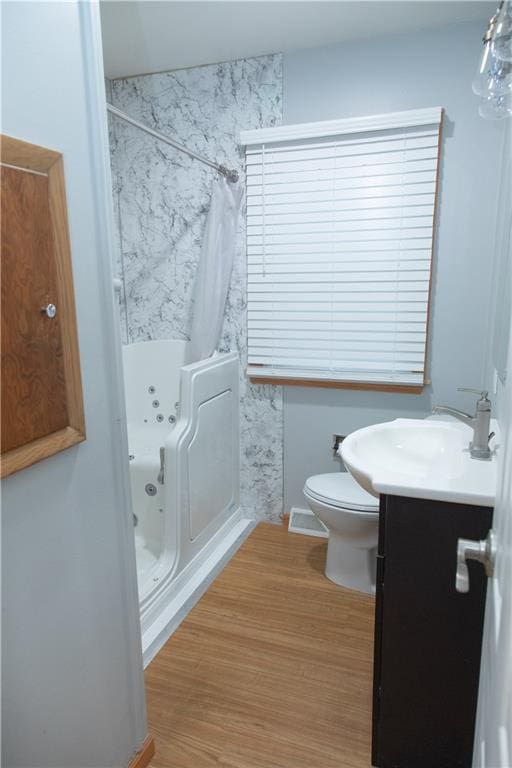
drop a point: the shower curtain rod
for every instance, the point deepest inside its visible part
(230, 174)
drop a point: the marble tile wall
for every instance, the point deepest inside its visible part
(161, 198)
(118, 265)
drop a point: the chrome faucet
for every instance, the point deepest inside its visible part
(479, 446)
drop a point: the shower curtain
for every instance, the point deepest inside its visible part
(214, 270)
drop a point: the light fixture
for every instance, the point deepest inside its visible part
(493, 79)
(502, 36)
(487, 64)
(500, 82)
(495, 107)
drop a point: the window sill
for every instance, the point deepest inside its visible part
(407, 389)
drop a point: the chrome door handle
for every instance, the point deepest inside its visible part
(161, 474)
(483, 551)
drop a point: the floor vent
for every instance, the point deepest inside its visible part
(306, 522)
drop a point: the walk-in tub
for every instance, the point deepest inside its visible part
(183, 439)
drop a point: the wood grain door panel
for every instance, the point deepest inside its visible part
(41, 399)
(34, 401)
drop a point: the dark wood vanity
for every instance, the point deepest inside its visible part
(428, 636)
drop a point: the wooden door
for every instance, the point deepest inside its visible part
(41, 402)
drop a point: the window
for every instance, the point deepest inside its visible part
(340, 221)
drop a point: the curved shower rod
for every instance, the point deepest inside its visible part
(230, 174)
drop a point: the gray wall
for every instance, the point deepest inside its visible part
(433, 68)
(72, 691)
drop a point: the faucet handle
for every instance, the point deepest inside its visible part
(482, 392)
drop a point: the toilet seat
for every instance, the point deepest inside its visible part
(340, 490)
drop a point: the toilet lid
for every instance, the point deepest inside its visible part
(339, 489)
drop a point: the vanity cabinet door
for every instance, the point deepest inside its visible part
(428, 636)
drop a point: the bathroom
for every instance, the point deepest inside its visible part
(205, 541)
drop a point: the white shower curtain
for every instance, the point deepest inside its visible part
(214, 269)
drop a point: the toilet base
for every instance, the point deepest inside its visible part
(350, 566)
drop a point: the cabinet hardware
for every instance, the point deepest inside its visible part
(50, 311)
(483, 551)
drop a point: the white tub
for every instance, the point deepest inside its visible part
(189, 526)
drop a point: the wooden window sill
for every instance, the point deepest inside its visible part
(408, 389)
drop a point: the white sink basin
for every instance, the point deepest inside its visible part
(421, 458)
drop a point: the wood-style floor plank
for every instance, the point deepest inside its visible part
(271, 669)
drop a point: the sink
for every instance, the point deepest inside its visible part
(421, 458)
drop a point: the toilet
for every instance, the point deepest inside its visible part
(351, 515)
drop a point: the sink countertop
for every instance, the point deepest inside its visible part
(422, 458)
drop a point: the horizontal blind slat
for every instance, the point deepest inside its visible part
(335, 163)
(364, 361)
(398, 223)
(323, 265)
(327, 152)
(340, 363)
(396, 172)
(284, 292)
(339, 289)
(360, 206)
(347, 316)
(316, 324)
(322, 191)
(338, 358)
(295, 345)
(282, 261)
(323, 181)
(342, 141)
(391, 307)
(331, 215)
(305, 336)
(391, 247)
(347, 375)
(327, 277)
(398, 236)
(373, 292)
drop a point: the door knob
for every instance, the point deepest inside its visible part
(50, 311)
(483, 551)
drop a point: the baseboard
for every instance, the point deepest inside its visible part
(143, 757)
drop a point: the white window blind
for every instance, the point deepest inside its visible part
(340, 219)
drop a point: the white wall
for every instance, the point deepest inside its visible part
(424, 69)
(72, 667)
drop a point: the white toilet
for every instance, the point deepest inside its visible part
(351, 515)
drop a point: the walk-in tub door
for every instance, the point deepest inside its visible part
(204, 449)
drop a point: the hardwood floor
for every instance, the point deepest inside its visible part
(272, 668)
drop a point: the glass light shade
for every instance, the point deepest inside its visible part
(501, 42)
(496, 107)
(484, 72)
(500, 83)
(493, 77)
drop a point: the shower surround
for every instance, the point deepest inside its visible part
(161, 198)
